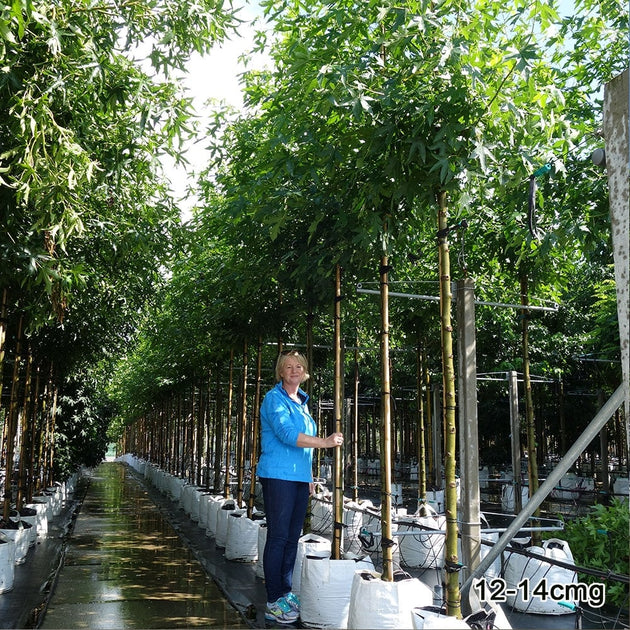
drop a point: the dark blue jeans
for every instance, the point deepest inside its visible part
(285, 509)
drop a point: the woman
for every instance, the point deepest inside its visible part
(288, 437)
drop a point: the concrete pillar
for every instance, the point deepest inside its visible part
(468, 425)
(616, 130)
(515, 439)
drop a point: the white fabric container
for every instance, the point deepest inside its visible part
(195, 500)
(308, 545)
(213, 510)
(422, 549)
(375, 603)
(7, 564)
(507, 497)
(353, 522)
(519, 568)
(41, 520)
(321, 516)
(242, 537)
(325, 590)
(31, 520)
(431, 617)
(20, 539)
(223, 513)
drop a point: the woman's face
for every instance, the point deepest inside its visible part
(292, 371)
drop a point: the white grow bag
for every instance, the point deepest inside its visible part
(31, 520)
(378, 604)
(204, 509)
(223, 513)
(507, 497)
(308, 545)
(519, 568)
(213, 511)
(195, 501)
(7, 564)
(321, 516)
(433, 617)
(325, 590)
(242, 537)
(352, 524)
(47, 500)
(41, 520)
(176, 485)
(437, 499)
(422, 549)
(494, 570)
(185, 500)
(20, 539)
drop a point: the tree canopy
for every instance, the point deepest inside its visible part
(368, 111)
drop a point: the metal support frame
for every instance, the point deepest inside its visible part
(590, 433)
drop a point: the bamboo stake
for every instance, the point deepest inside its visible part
(26, 463)
(255, 432)
(242, 428)
(337, 452)
(218, 432)
(34, 439)
(3, 336)
(228, 428)
(421, 451)
(307, 527)
(207, 416)
(355, 426)
(42, 428)
(200, 429)
(386, 454)
(11, 423)
(453, 602)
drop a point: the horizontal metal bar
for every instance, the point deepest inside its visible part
(433, 298)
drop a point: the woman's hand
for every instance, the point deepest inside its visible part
(308, 441)
(333, 440)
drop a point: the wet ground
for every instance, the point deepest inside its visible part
(123, 565)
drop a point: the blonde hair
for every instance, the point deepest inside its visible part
(291, 354)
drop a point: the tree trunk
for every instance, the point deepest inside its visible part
(255, 431)
(242, 428)
(228, 429)
(355, 426)
(338, 411)
(562, 417)
(428, 403)
(3, 336)
(532, 451)
(453, 605)
(310, 344)
(34, 440)
(209, 435)
(26, 462)
(386, 418)
(219, 430)
(421, 437)
(198, 411)
(11, 422)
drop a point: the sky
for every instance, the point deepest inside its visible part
(215, 76)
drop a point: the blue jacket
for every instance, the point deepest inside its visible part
(281, 420)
